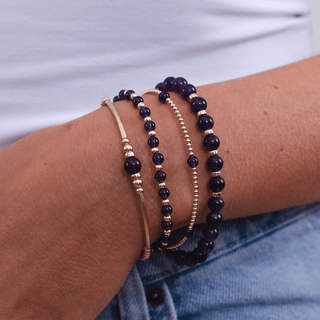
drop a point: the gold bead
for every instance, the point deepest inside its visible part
(184, 128)
(133, 95)
(186, 135)
(195, 177)
(125, 140)
(135, 176)
(182, 123)
(137, 183)
(168, 99)
(176, 111)
(167, 232)
(154, 150)
(216, 194)
(190, 149)
(139, 190)
(167, 218)
(191, 153)
(201, 112)
(194, 172)
(213, 152)
(174, 108)
(127, 147)
(185, 131)
(162, 185)
(216, 174)
(193, 95)
(140, 105)
(195, 189)
(129, 154)
(147, 119)
(165, 202)
(188, 140)
(158, 167)
(210, 131)
(152, 133)
(125, 91)
(189, 144)
(164, 244)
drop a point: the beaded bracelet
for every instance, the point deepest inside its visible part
(214, 164)
(132, 166)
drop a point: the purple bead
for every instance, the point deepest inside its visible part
(170, 253)
(205, 246)
(205, 122)
(215, 204)
(214, 163)
(132, 165)
(214, 220)
(157, 158)
(121, 95)
(216, 184)
(201, 257)
(128, 94)
(210, 234)
(164, 193)
(144, 112)
(165, 238)
(166, 210)
(168, 83)
(160, 176)
(211, 142)
(192, 161)
(186, 90)
(178, 83)
(166, 225)
(116, 98)
(179, 257)
(188, 233)
(149, 126)
(160, 86)
(153, 142)
(198, 104)
(191, 259)
(163, 95)
(136, 100)
(157, 246)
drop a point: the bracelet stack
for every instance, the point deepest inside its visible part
(214, 164)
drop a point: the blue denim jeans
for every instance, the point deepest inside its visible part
(262, 267)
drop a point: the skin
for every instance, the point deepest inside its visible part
(70, 221)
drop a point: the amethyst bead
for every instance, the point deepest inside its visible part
(168, 83)
(160, 86)
(198, 104)
(128, 94)
(201, 257)
(157, 158)
(144, 112)
(211, 142)
(179, 257)
(166, 210)
(132, 165)
(160, 176)
(216, 184)
(121, 95)
(192, 161)
(191, 259)
(188, 233)
(165, 238)
(149, 126)
(166, 225)
(214, 163)
(178, 83)
(136, 100)
(210, 234)
(205, 122)
(153, 142)
(164, 193)
(205, 246)
(215, 204)
(187, 90)
(115, 99)
(163, 95)
(214, 220)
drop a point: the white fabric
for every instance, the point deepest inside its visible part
(58, 59)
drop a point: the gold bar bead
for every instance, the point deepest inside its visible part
(213, 152)
(152, 133)
(210, 131)
(154, 150)
(201, 112)
(158, 167)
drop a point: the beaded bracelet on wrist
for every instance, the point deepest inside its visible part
(192, 162)
(132, 166)
(214, 164)
(157, 159)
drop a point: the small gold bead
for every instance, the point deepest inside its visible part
(194, 169)
(167, 218)
(147, 119)
(185, 132)
(140, 105)
(125, 140)
(152, 133)
(133, 95)
(194, 172)
(210, 131)
(191, 153)
(193, 220)
(216, 174)
(177, 111)
(195, 200)
(165, 202)
(213, 152)
(196, 196)
(186, 135)
(158, 167)
(137, 183)
(216, 194)
(154, 150)
(174, 108)
(195, 177)
(190, 227)
(167, 232)
(189, 144)
(139, 190)
(190, 149)
(162, 185)
(184, 128)
(168, 99)
(182, 124)
(164, 244)
(127, 147)
(188, 140)
(201, 112)
(129, 154)
(135, 176)
(195, 189)
(193, 95)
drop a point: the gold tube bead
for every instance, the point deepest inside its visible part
(133, 95)
(213, 152)
(139, 191)
(167, 218)
(129, 154)
(210, 131)
(158, 167)
(165, 202)
(201, 112)
(152, 133)
(154, 150)
(193, 95)
(216, 174)
(162, 185)
(147, 119)
(167, 232)
(216, 194)
(135, 176)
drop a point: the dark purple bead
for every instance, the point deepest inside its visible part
(160, 86)
(132, 165)
(178, 83)
(121, 95)
(187, 90)
(168, 83)
(214, 163)
(201, 257)
(214, 220)
(191, 259)
(136, 100)
(205, 122)
(157, 158)
(166, 225)
(166, 210)
(157, 246)
(198, 104)
(128, 94)
(205, 246)
(149, 126)
(210, 234)
(215, 204)
(153, 142)
(193, 161)
(216, 184)
(170, 253)
(144, 112)
(115, 99)
(188, 233)
(165, 238)
(164, 193)
(179, 257)
(163, 95)
(211, 142)
(160, 176)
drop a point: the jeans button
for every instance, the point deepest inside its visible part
(155, 296)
